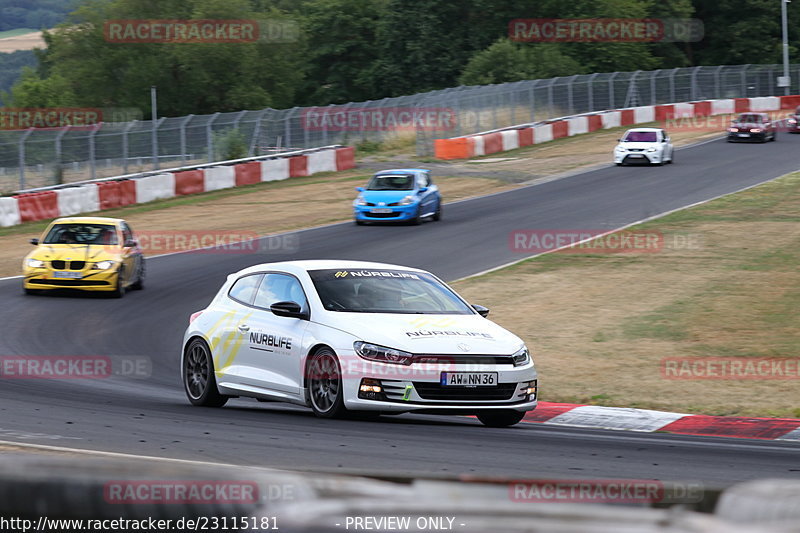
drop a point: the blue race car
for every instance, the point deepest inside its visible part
(399, 195)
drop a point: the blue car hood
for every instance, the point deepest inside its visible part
(387, 197)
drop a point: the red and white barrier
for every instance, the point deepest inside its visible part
(158, 187)
(510, 140)
(578, 125)
(91, 197)
(74, 200)
(765, 103)
(477, 145)
(542, 133)
(275, 169)
(9, 212)
(220, 178)
(611, 119)
(723, 107)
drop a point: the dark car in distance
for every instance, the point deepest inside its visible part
(752, 127)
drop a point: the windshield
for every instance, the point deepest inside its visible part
(641, 137)
(756, 119)
(386, 291)
(401, 182)
(102, 234)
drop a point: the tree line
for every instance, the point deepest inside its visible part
(355, 50)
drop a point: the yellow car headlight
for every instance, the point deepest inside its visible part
(103, 265)
(35, 263)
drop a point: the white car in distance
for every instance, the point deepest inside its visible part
(648, 146)
(341, 336)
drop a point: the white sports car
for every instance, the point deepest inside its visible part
(651, 146)
(343, 336)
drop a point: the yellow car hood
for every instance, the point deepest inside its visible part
(91, 253)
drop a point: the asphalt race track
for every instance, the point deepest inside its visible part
(152, 417)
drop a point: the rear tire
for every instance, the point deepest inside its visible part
(199, 381)
(500, 419)
(324, 379)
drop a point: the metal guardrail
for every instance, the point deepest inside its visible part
(138, 175)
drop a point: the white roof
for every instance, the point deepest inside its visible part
(322, 264)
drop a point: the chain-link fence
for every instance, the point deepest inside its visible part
(36, 157)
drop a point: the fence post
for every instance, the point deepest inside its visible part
(717, 82)
(743, 92)
(182, 136)
(590, 91)
(570, 100)
(210, 137)
(61, 134)
(92, 158)
(611, 99)
(22, 157)
(693, 88)
(653, 99)
(125, 149)
(256, 134)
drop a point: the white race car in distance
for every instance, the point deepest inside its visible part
(341, 336)
(650, 146)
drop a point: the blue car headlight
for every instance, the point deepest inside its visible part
(408, 200)
(359, 201)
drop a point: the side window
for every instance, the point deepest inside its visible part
(422, 180)
(127, 234)
(279, 288)
(244, 288)
(428, 177)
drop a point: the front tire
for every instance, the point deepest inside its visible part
(437, 216)
(417, 220)
(324, 380)
(500, 419)
(119, 288)
(199, 381)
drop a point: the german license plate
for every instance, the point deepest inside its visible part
(380, 210)
(68, 275)
(744, 135)
(469, 379)
(636, 155)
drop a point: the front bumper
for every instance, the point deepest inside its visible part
(394, 213)
(85, 280)
(418, 388)
(641, 158)
(746, 136)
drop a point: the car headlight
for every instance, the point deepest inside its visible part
(792, 121)
(35, 263)
(619, 149)
(360, 201)
(103, 265)
(382, 354)
(522, 357)
(408, 200)
(652, 149)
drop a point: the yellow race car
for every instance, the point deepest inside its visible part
(86, 253)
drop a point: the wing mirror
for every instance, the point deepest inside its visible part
(360, 189)
(288, 309)
(483, 311)
(35, 242)
(423, 189)
(130, 243)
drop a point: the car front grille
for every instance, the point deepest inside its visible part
(68, 282)
(636, 150)
(461, 359)
(64, 265)
(381, 215)
(435, 391)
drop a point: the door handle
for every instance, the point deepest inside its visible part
(243, 328)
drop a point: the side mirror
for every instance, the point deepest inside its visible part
(288, 309)
(360, 189)
(483, 311)
(35, 242)
(423, 189)
(130, 243)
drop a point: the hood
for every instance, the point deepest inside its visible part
(428, 334)
(387, 197)
(639, 146)
(91, 253)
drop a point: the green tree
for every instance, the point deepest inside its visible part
(505, 61)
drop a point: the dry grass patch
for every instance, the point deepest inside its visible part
(601, 324)
(27, 41)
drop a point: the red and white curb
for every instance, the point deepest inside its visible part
(647, 421)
